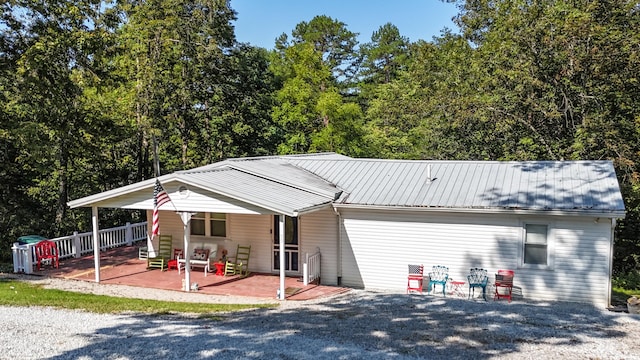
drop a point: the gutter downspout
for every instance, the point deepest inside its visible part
(339, 245)
(609, 287)
(96, 242)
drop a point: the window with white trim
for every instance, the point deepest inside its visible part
(536, 245)
(209, 224)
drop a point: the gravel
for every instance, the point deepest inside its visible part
(356, 325)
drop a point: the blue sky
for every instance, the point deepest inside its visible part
(260, 22)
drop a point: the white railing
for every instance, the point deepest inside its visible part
(311, 268)
(80, 244)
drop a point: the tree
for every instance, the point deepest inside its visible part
(242, 116)
(426, 111)
(385, 56)
(332, 39)
(177, 56)
(54, 49)
(313, 109)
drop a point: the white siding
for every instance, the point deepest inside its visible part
(319, 230)
(170, 224)
(581, 251)
(378, 246)
(200, 200)
(242, 229)
(254, 230)
(195, 200)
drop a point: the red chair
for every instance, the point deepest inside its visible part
(48, 251)
(415, 278)
(504, 280)
(173, 263)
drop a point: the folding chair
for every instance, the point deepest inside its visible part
(504, 280)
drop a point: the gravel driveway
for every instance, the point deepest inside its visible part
(356, 325)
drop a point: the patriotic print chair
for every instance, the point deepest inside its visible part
(415, 278)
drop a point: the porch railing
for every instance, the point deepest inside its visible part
(311, 268)
(79, 244)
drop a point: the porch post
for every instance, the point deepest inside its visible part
(281, 219)
(96, 242)
(186, 220)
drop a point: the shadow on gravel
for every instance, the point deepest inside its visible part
(367, 325)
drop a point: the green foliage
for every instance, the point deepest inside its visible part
(330, 38)
(629, 280)
(385, 56)
(310, 110)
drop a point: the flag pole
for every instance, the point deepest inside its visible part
(156, 160)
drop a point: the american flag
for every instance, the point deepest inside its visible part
(160, 197)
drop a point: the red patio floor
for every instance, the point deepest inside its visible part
(122, 266)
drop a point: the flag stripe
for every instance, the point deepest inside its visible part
(155, 230)
(160, 197)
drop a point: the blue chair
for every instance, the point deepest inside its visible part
(439, 275)
(478, 278)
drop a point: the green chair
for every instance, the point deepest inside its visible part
(239, 265)
(163, 254)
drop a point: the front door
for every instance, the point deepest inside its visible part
(291, 244)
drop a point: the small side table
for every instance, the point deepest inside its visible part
(456, 288)
(219, 268)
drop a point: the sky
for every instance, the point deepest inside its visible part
(260, 22)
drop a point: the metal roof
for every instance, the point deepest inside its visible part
(571, 186)
(256, 190)
(278, 170)
(293, 184)
(269, 183)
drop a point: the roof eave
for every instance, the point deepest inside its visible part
(614, 214)
(91, 200)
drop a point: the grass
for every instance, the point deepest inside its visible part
(620, 295)
(18, 293)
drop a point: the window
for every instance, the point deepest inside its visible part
(218, 225)
(535, 245)
(197, 224)
(209, 224)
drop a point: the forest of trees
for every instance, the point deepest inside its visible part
(87, 85)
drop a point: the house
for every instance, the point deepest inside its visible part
(550, 221)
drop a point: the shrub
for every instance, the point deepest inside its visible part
(629, 280)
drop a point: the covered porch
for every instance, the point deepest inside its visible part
(231, 204)
(122, 266)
